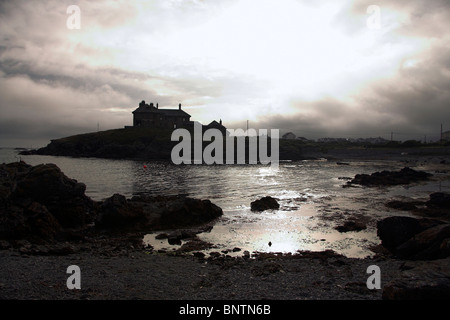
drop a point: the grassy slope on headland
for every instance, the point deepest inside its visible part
(155, 143)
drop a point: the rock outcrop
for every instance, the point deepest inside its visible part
(415, 239)
(390, 178)
(41, 204)
(152, 213)
(265, 203)
(438, 206)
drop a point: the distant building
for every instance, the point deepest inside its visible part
(446, 135)
(288, 136)
(149, 115)
(217, 125)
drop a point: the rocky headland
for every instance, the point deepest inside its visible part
(155, 143)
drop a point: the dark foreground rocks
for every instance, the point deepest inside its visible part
(425, 243)
(415, 239)
(42, 205)
(38, 203)
(390, 178)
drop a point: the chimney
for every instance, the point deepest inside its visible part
(179, 106)
(157, 107)
(220, 121)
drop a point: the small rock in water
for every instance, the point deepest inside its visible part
(265, 203)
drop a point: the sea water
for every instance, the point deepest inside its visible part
(312, 198)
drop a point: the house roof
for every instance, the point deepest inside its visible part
(216, 125)
(165, 112)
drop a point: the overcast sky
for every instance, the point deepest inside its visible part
(317, 68)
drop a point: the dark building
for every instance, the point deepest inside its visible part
(217, 125)
(147, 115)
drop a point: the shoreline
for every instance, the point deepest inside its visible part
(118, 266)
(140, 275)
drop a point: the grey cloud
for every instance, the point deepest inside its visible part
(412, 104)
(46, 95)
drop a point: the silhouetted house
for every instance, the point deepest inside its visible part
(147, 115)
(288, 136)
(217, 125)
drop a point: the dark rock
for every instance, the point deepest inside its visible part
(388, 178)
(34, 222)
(439, 200)
(214, 254)
(174, 241)
(411, 238)
(265, 203)
(402, 205)
(393, 231)
(430, 280)
(199, 255)
(351, 225)
(426, 245)
(64, 198)
(160, 212)
(183, 211)
(41, 204)
(115, 212)
(445, 248)
(175, 237)
(195, 244)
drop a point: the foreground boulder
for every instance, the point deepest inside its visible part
(393, 231)
(415, 239)
(390, 178)
(265, 203)
(429, 244)
(39, 202)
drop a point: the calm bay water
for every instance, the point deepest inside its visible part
(310, 193)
